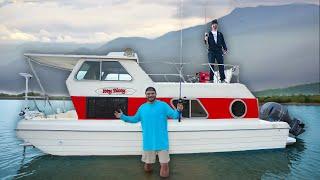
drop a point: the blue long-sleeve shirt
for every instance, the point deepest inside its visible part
(153, 117)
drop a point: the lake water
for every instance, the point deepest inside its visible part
(298, 161)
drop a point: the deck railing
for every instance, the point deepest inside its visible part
(190, 71)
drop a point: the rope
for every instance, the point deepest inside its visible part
(39, 82)
(37, 78)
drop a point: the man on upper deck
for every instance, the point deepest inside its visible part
(216, 49)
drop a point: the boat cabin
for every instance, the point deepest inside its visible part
(99, 85)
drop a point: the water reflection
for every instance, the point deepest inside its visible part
(234, 165)
(295, 151)
(300, 160)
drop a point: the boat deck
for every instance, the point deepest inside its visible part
(173, 125)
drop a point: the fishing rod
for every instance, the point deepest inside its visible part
(205, 24)
(181, 65)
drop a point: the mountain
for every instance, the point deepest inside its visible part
(304, 89)
(275, 46)
(12, 62)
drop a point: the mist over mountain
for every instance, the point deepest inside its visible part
(275, 46)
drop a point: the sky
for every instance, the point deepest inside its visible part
(98, 21)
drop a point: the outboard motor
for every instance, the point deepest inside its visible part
(272, 111)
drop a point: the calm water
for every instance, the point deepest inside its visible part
(299, 161)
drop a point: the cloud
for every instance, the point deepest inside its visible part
(7, 34)
(253, 3)
(83, 21)
(15, 34)
(90, 24)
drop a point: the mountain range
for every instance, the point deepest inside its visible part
(275, 46)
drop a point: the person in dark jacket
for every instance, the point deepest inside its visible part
(216, 49)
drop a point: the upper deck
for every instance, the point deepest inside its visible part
(93, 75)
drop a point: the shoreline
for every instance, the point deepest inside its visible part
(69, 99)
(295, 104)
(22, 98)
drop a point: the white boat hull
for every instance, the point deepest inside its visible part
(114, 137)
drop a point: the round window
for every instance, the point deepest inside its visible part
(238, 108)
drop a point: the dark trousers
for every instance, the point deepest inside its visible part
(212, 56)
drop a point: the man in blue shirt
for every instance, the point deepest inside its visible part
(153, 116)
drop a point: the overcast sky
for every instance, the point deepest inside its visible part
(97, 21)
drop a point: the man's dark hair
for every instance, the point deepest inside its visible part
(215, 21)
(151, 89)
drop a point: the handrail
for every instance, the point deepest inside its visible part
(220, 64)
(235, 69)
(165, 76)
(163, 62)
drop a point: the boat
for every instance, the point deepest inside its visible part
(217, 117)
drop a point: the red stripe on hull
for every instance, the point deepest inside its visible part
(135, 103)
(80, 104)
(218, 108)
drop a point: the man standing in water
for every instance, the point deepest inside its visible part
(153, 116)
(216, 48)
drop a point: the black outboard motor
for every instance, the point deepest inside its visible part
(272, 111)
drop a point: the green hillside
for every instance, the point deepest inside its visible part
(305, 89)
(300, 99)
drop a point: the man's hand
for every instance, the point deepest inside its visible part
(118, 114)
(206, 38)
(180, 107)
(225, 52)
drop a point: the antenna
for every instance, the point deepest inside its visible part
(181, 59)
(27, 77)
(205, 24)
(205, 13)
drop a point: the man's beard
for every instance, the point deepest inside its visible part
(151, 99)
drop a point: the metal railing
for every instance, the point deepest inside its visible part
(235, 69)
(232, 72)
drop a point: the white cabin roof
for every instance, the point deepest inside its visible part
(67, 62)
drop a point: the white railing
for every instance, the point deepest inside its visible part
(229, 70)
(232, 72)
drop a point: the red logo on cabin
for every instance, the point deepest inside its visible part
(115, 91)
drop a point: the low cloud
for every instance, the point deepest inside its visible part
(83, 21)
(7, 34)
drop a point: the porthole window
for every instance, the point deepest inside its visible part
(238, 108)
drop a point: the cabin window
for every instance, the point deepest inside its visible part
(191, 108)
(110, 71)
(197, 109)
(186, 107)
(104, 107)
(90, 70)
(114, 71)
